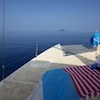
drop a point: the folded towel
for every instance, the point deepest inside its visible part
(87, 81)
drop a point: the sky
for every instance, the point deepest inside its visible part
(51, 15)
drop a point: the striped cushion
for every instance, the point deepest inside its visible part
(86, 80)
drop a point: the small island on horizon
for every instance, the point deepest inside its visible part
(64, 30)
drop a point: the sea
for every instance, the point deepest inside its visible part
(20, 47)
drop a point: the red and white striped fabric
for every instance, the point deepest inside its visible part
(86, 80)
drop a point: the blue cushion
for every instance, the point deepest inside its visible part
(94, 66)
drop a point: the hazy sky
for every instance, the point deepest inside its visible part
(37, 15)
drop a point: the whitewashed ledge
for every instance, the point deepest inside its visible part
(22, 84)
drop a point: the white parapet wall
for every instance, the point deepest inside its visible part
(56, 55)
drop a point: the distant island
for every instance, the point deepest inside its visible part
(64, 30)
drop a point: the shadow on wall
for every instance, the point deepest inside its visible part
(76, 54)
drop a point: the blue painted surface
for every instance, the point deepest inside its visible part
(58, 85)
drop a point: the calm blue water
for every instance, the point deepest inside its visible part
(20, 46)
